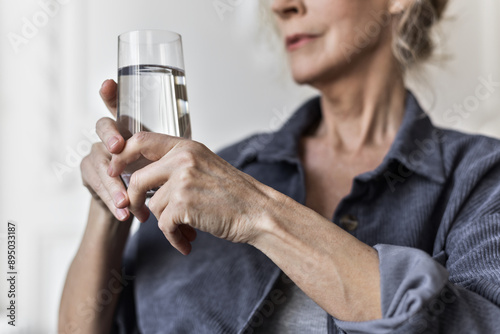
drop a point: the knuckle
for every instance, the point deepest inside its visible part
(98, 187)
(140, 137)
(188, 158)
(180, 198)
(200, 146)
(95, 148)
(176, 199)
(117, 160)
(162, 225)
(84, 164)
(153, 205)
(95, 159)
(102, 162)
(101, 123)
(110, 184)
(135, 180)
(196, 147)
(85, 170)
(186, 176)
(98, 149)
(191, 145)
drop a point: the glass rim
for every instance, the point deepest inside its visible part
(162, 36)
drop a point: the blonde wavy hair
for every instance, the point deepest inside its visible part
(412, 39)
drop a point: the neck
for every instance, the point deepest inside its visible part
(364, 108)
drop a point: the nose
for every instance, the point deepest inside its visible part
(285, 9)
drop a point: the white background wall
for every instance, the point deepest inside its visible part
(49, 102)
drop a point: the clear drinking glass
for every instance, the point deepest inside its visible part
(152, 92)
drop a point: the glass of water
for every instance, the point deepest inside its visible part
(152, 92)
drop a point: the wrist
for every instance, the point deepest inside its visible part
(270, 222)
(103, 229)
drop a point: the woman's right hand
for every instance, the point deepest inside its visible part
(108, 191)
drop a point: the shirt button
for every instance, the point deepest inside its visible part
(348, 222)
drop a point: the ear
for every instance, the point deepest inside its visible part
(396, 7)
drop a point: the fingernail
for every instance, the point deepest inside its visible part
(112, 142)
(121, 214)
(119, 199)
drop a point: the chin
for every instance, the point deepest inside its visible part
(317, 74)
(303, 78)
(305, 70)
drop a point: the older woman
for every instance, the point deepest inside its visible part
(357, 216)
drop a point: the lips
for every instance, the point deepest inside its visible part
(296, 41)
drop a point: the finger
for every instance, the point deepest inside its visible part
(108, 93)
(92, 181)
(152, 146)
(173, 234)
(107, 130)
(188, 232)
(113, 186)
(150, 177)
(159, 202)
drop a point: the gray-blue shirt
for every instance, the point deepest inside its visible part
(431, 209)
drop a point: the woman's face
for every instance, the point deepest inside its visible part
(325, 38)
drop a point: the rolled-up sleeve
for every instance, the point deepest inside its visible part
(421, 295)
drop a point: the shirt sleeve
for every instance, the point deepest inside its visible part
(421, 295)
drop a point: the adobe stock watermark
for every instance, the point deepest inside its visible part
(436, 307)
(426, 147)
(462, 111)
(12, 257)
(89, 309)
(222, 7)
(148, 86)
(262, 140)
(371, 30)
(279, 296)
(74, 155)
(275, 298)
(30, 27)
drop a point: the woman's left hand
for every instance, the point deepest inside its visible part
(198, 190)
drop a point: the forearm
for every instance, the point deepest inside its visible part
(95, 280)
(337, 271)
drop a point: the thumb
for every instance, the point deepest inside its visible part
(108, 94)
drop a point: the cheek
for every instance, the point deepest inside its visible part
(367, 33)
(320, 58)
(345, 41)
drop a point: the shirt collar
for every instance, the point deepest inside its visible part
(417, 145)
